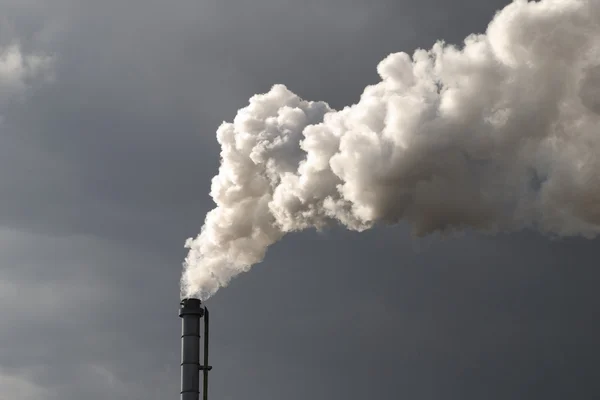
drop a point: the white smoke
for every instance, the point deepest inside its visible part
(501, 134)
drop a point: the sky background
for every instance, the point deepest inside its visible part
(105, 167)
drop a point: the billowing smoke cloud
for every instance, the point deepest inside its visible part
(501, 134)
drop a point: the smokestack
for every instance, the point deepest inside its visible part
(190, 312)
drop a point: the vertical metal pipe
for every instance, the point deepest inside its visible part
(190, 311)
(206, 367)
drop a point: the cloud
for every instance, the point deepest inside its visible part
(18, 385)
(64, 303)
(18, 70)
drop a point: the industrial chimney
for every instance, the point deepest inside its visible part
(190, 312)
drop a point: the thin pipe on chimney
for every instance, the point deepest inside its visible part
(205, 368)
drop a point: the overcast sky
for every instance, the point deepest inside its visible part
(107, 147)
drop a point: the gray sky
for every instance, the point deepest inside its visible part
(105, 171)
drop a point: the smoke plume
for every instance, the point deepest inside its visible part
(500, 134)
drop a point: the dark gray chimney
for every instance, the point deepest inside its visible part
(190, 311)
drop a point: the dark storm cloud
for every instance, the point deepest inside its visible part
(106, 171)
(64, 309)
(511, 320)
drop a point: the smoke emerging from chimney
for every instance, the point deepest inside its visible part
(499, 135)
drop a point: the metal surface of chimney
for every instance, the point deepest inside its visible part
(190, 311)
